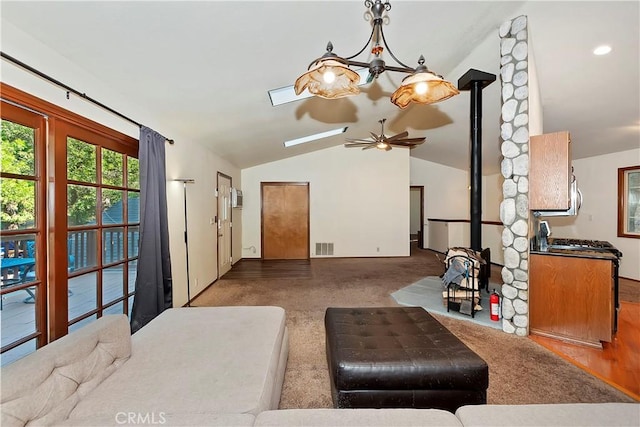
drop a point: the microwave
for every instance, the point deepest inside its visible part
(576, 201)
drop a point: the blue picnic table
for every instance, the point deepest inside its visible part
(18, 267)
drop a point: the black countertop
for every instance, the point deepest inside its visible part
(576, 253)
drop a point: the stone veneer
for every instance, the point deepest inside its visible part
(514, 209)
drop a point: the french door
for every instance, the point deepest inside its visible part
(97, 186)
(70, 222)
(23, 289)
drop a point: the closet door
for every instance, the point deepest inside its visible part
(285, 220)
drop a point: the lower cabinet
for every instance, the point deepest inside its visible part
(571, 298)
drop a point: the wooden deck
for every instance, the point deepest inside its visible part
(17, 317)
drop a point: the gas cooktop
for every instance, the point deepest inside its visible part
(584, 245)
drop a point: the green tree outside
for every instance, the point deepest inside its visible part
(18, 196)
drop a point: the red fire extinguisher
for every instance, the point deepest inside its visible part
(494, 303)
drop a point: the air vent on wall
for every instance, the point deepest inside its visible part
(324, 248)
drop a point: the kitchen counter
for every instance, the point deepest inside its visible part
(577, 253)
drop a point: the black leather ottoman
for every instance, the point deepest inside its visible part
(400, 357)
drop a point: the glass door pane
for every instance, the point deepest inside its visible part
(22, 292)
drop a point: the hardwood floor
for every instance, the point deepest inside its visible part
(270, 269)
(617, 363)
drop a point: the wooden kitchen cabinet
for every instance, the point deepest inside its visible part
(550, 171)
(572, 298)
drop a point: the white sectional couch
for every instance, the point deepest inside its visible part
(189, 366)
(216, 366)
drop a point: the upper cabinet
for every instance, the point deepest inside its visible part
(550, 171)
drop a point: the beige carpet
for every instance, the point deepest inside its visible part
(520, 371)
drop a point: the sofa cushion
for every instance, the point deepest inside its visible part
(199, 359)
(561, 414)
(357, 417)
(43, 387)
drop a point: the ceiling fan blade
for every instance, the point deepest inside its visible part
(398, 136)
(404, 145)
(383, 142)
(366, 141)
(357, 144)
(415, 141)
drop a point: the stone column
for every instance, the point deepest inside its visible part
(514, 209)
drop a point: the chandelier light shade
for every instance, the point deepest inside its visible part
(331, 77)
(423, 87)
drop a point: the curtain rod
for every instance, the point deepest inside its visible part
(70, 89)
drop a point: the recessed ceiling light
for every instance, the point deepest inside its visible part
(314, 137)
(602, 50)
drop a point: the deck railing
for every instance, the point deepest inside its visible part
(82, 247)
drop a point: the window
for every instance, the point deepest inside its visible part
(629, 202)
(70, 222)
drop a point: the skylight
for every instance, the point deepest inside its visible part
(314, 137)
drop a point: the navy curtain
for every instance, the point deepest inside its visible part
(153, 282)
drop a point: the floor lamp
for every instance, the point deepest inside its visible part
(184, 182)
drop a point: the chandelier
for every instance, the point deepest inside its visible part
(331, 77)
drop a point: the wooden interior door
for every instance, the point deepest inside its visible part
(285, 220)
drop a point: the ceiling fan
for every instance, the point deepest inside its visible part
(382, 142)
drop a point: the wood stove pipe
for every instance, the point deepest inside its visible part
(476, 81)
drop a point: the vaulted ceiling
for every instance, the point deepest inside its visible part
(203, 68)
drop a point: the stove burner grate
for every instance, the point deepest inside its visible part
(581, 244)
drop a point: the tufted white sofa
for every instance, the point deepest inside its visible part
(221, 366)
(189, 366)
(561, 415)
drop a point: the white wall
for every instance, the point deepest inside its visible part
(184, 160)
(598, 218)
(359, 200)
(446, 195)
(446, 191)
(536, 122)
